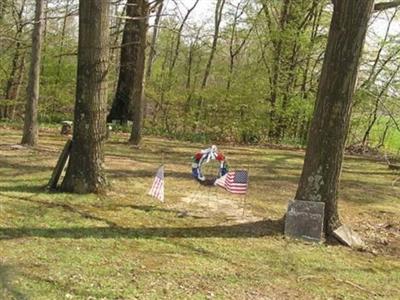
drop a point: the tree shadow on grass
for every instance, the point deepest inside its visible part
(24, 188)
(24, 167)
(142, 173)
(64, 206)
(7, 291)
(148, 208)
(257, 229)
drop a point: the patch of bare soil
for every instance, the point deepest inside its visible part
(381, 232)
(210, 204)
(359, 149)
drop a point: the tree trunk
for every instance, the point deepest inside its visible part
(218, 18)
(152, 53)
(13, 85)
(139, 58)
(373, 117)
(85, 172)
(62, 42)
(323, 161)
(278, 47)
(179, 37)
(30, 133)
(131, 62)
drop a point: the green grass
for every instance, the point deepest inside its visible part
(392, 142)
(125, 245)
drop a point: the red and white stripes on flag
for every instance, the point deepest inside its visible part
(235, 182)
(157, 189)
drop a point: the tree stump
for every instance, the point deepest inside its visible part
(66, 128)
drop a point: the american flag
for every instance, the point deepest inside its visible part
(157, 189)
(235, 182)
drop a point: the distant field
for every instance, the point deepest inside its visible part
(125, 245)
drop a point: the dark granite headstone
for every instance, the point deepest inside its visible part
(304, 220)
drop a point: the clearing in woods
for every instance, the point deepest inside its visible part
(201, 243)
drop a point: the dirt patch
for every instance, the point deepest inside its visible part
(210, 204)
(382, 238)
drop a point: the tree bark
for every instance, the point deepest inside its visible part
(323, 161)
(85, 172)
(128, 101)
(139, 59)
(153, 52)
(30, 133)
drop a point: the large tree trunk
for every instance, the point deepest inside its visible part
(323, 161)
(85, 172)
(139, 57)
(130, 80)
(30, 133)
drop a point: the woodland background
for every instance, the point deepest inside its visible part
(240, 71)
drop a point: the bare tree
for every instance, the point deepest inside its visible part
(152, 52)
(14, 81)
(219, 7)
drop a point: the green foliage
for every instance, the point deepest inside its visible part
(266, 93)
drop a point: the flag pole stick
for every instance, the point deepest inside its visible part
(245, 195)
(162, 164)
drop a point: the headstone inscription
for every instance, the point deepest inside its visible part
(304, 220)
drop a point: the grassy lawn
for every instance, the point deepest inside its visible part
(125, 245)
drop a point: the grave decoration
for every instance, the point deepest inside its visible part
(205, 156)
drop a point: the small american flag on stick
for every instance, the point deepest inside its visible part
(235, 182)
(157, 189)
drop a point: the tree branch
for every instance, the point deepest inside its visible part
(386, 5)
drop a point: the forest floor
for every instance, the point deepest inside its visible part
(126, 245)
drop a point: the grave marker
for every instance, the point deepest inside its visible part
(304, 220)
(348, 237)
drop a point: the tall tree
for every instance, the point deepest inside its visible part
(130, 80)
(219, 7)
(85, 172)
(153, 52)
(323, 161)
(30, 133)
(139, 57)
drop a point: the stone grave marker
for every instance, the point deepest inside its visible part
(304, 220)
(348, 237)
